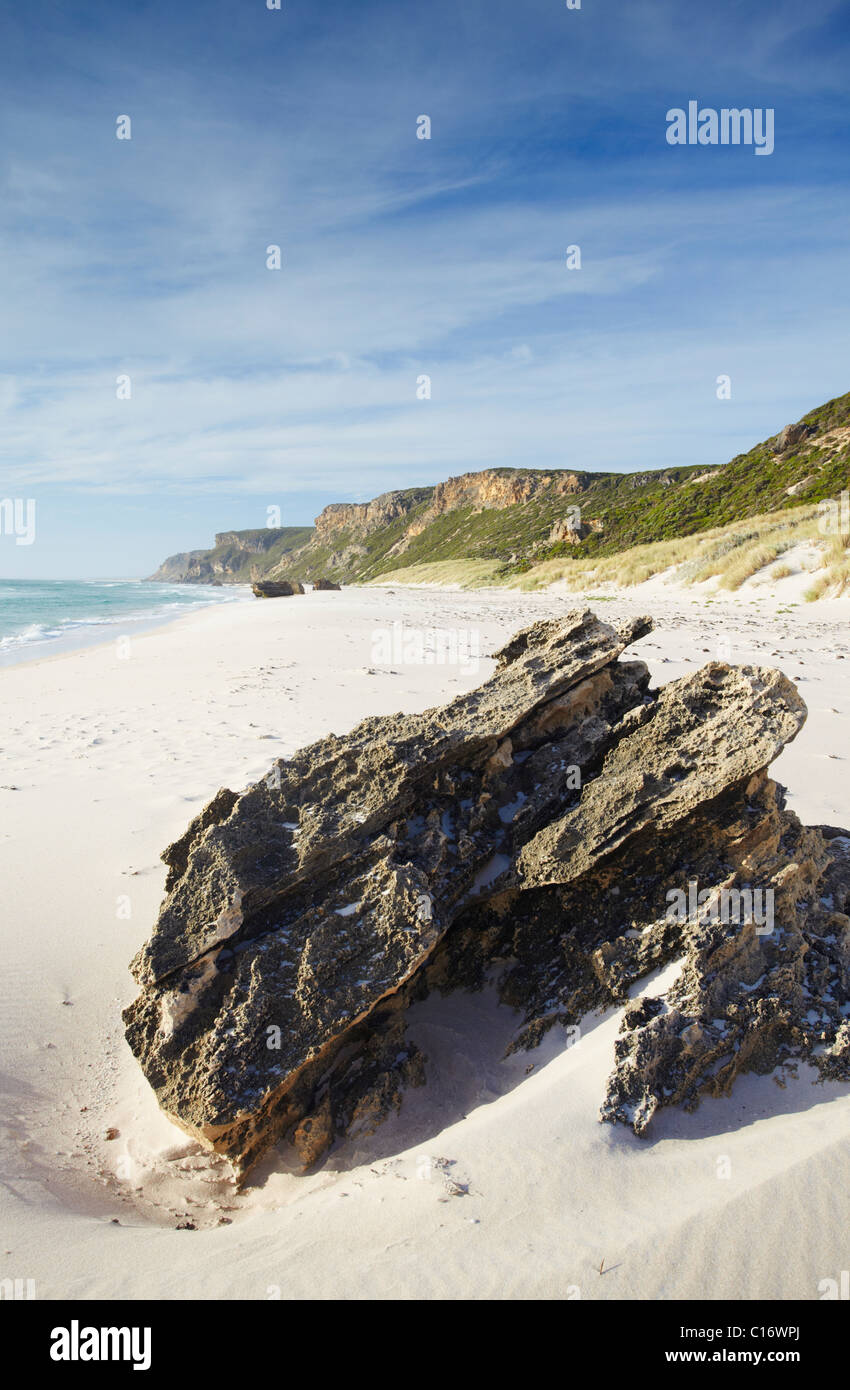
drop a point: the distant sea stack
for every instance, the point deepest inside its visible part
(519, 517)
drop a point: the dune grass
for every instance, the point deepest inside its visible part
(731, 555)
(833, 579)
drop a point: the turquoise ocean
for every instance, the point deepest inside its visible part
(40, 617)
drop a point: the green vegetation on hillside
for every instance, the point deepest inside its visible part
(731, 555)
(619, 512)
(642, 508)
(273, 546)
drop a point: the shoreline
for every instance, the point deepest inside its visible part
(90, 633)
(662, 596)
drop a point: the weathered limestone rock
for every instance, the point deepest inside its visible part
(325, 585)
(748, 998)
(276, 588)
(589, 912)
(541, 822)
(568, 529)
(304, 904)
(704, 734)
(789, 437)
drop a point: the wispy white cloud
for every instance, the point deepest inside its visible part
(403, 257)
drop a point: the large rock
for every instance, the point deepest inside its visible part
(276, 588)
(704, 734)
(757, 992)
(539, 822)
(573, 531)
(326, 585)
(304, 904)
(789, 437)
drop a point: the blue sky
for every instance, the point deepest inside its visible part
(401, 257)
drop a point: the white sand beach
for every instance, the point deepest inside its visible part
(109, 751)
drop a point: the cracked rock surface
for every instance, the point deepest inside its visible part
(536, 827)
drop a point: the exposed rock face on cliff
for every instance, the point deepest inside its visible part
(573, 531)
(252, 542)
(789, 437)
(276, 588)
(538, 824)
(238, 557)
(367, 516)
(346, 526)
(490, 488)
(190, 566)
(499, 490)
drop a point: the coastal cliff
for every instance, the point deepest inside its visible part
(238, 557)
(518, 517)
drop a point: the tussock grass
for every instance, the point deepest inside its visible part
(749, 560)
(629, 567)
(731, 554)
(833, 581)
